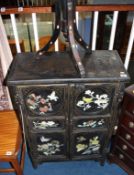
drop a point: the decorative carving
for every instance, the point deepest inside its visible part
(17, 97)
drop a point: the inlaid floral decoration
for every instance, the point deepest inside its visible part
(91, 100)
(91, 123)
(42, 103)
(45, 124)
(88, 146)
(49, 146)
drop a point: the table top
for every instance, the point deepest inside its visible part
(10, 135)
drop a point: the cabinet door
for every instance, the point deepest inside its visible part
(49, 146)
(87, 144)
(92, 99)
(44, 100)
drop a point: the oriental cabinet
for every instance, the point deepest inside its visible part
(64, 116)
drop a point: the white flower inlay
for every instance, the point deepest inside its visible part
(89, 98)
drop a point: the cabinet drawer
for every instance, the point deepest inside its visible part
(128, 121)
(49, 145)
(90, 123)
(130, 107)
(125, 147)
(129, 137)
(124, 158)
(43, 124)
(87, 144)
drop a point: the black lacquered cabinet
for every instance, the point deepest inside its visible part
(63, 115)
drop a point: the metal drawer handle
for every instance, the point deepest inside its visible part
(131, 124)
(128, 136)
(121, 156)
(124, 147)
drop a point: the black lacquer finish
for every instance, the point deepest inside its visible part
(65, 116)
(67, 100)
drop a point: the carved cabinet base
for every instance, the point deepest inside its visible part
(64, 116)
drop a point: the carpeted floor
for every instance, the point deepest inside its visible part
(70, 168)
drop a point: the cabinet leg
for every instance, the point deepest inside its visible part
(34, 165)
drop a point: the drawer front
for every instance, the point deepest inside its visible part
(128, 121)
(44, 100)
(87, 144)
(125, 147)
(49, 145)
(43, 124)
(124, 158)
(93, 99)
(126, 135)
(130, 107)
(90, 123)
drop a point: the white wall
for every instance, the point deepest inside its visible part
(5, 54)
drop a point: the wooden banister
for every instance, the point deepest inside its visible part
(105, 8)
(48, 9)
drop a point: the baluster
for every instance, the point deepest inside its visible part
(113, 30)
(23, 3)
(36, 38)
(27, 2)
(77, 19)
(130, 45)
(56, 44)
(41, 2)
(32, 2)
(95, 26)
(13, 21)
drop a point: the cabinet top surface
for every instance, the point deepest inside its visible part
(101, 65)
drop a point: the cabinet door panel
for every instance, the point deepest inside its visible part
(90, 123)
(44, 100)
(49, 145)
(93, 99)
(87, 144)
(43, 124)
